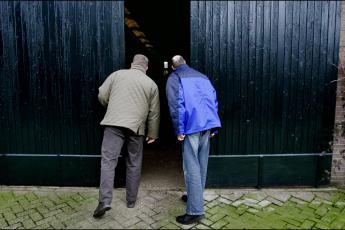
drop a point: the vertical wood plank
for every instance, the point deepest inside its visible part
(294, 77)
(195, 57)
(300, 106)
(259, 81)
(222, 92)
(322, 74)
(237, 78)
(286, 116)
(278, 100)
(308, 117)
(202, 38)
(251, 139)
(315, 77)
(273, 53)
(230, 105)
(265, 116)
(244, 76)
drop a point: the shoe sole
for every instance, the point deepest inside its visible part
(130, 205)
(193, 221)
(101, 213)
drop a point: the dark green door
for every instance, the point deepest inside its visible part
(272, 63)
(53, 57)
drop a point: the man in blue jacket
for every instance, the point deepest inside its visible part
(194, 111)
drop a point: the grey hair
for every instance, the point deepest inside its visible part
(178, 60)
(140, 59)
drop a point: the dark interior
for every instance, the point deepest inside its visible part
(162, 164)
(159, 44)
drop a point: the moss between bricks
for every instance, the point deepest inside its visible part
(30, 210)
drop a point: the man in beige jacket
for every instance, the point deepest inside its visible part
(132, 100)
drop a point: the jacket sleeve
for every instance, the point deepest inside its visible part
(215, 130)
(104, 91)
(154, 114)
(215, 99)
(176, 103)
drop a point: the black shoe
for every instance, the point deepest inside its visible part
(100, 210)
(130, 204)
(189, 219)
(184, 198)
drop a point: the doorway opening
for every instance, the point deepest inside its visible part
(159, 30)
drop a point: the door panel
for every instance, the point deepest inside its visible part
(54, 56)
(272, 64)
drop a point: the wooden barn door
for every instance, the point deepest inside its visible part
(272, 63)
(53, 57)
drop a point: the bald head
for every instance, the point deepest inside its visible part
(140, 59)
(177, 60)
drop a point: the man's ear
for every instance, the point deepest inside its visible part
(173, 67)
(147, 68)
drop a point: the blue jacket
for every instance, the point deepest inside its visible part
(192, 101)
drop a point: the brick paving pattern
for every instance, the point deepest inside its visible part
(72, 208)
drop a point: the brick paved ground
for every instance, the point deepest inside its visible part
(33, 207)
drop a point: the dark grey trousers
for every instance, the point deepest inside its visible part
(113, 140)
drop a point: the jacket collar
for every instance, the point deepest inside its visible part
(182, 67)
(138, 67)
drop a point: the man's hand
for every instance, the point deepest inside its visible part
(181, 137)
(214, 132)
(150, 140)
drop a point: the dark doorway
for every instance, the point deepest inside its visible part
(160, 30)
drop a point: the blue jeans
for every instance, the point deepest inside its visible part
(196, 148)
